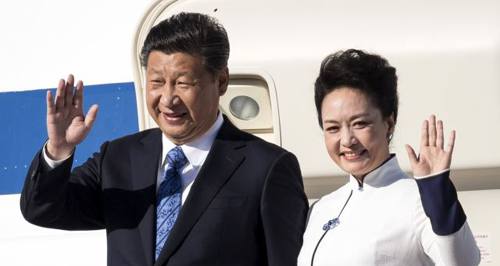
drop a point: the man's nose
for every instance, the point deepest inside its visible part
(169, 96)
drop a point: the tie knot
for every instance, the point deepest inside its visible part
(176, 158)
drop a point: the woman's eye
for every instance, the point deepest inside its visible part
(332, 129)
(360, 124)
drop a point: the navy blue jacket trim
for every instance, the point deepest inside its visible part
(441, 205)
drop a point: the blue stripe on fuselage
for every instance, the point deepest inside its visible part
(23, 129)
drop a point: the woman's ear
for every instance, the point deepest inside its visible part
(391, 125)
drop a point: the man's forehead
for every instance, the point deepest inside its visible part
(180, 63)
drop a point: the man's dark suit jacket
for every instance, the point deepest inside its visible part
(246, 207)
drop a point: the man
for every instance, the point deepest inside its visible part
(196, 191)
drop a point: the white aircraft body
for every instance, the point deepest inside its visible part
(447, 56)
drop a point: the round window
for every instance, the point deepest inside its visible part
(244, 108)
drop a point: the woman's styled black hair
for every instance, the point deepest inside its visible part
(370, 74)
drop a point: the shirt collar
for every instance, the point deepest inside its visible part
(196, 151)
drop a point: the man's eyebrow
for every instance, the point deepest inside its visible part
(155, 70)
(181, 74)
(176, 74)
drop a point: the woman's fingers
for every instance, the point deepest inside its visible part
(411, 155)
(425, 134)
(432, 130)
(433, 158)
(424, 140)
(440, 137)
(451, 142)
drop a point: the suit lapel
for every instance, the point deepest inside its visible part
(222, 161)
(145, 159)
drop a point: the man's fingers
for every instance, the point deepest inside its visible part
(440, 137)
(432, 130)
(78, 99)
(59, 101)
(451, 142)
(91, 116)
(424, 141)
(411, 155)
(51, 108)
(68, 99)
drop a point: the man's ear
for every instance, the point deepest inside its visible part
(223, 80)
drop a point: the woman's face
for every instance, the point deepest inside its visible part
(356, 135)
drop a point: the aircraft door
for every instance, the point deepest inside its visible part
(250, 102)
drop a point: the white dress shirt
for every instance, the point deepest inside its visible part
(383, 223)
(196, 152)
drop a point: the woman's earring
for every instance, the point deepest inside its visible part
(389, 137)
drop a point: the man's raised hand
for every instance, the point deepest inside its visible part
(66, 124)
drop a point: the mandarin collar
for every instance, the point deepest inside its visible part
(384, 175)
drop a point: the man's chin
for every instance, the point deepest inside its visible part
(178, 137)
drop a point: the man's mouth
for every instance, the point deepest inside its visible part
(173, 117)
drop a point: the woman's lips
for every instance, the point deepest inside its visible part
(352, 155)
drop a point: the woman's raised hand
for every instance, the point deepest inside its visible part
(66, 124)
(433, 158)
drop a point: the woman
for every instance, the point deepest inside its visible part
(381, 216)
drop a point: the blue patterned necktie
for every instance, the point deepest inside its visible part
(169, 197)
